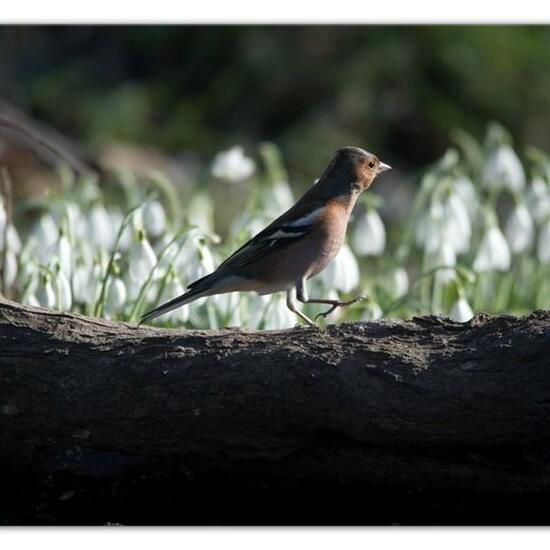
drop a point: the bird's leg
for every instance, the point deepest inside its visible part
(291, 304)
(303, 297)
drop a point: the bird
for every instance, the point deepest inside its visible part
(297, 245)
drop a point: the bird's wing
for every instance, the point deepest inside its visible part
(285, 230)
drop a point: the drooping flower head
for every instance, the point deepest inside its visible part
(233, 165)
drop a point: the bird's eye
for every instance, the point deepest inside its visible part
(371, 164)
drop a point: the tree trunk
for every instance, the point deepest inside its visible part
(433, 418)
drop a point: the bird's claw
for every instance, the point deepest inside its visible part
(339, 304)
(326, 313)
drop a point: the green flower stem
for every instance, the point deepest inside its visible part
(72, 243)
(420, 280)
(172, 199)
(504, 287)
(418, 205)
(26, 288)
(212, 317)
(99, 306)
(437, 296)
(127, 181)
(539, 277)
(426, 283)
(139, 304)
(479, 293)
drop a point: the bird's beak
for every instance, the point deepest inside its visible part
(382, 167)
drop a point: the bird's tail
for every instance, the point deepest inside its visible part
(190, 296)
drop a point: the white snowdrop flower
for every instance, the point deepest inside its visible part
(206, 260)
(116, 218)
(421, 230)
(343, 272)
(201, 263)
(166, 250)
(100, 229)
(372, 311)
(75, 219)
(44, 235)
(369, 234)
(64, 297)
(538, 200)
(80, 284)
(456, 223)
(461, 310)
(465, 189)
(503, 170)
(543, 246)
(13, 242)
(97, 274)
(86, 283)
(429, 228)
(46, 230)
(27, 266)
(154, 219)
(133, 287)
(61, 252)
(278, 316)
(126, 238)
(397, 283)
(184, 261)
(163, 242)
(3, 216)
(13, 239)
(141, 260)
(83, 252)
(136, 220)
(520, 229)
(200, 212)
(68, 214)
(233, 165)
(151, 291)
(448, 222)
(116, 297)
(65, 255)
(45, 294)
(494, 252)
(444, 260)
(3, 221)
(10, 268)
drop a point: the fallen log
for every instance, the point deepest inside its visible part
(426, 402)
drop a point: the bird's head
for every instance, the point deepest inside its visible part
(351, 171)
(357, 168)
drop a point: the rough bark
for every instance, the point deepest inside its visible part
(419, 403)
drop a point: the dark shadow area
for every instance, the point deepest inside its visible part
(169, 497)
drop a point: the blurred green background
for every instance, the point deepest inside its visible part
(396, 90)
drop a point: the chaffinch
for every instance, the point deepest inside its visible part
(298, 244)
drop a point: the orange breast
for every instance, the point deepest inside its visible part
(330, 234)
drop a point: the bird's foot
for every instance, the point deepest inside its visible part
(337, 303)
